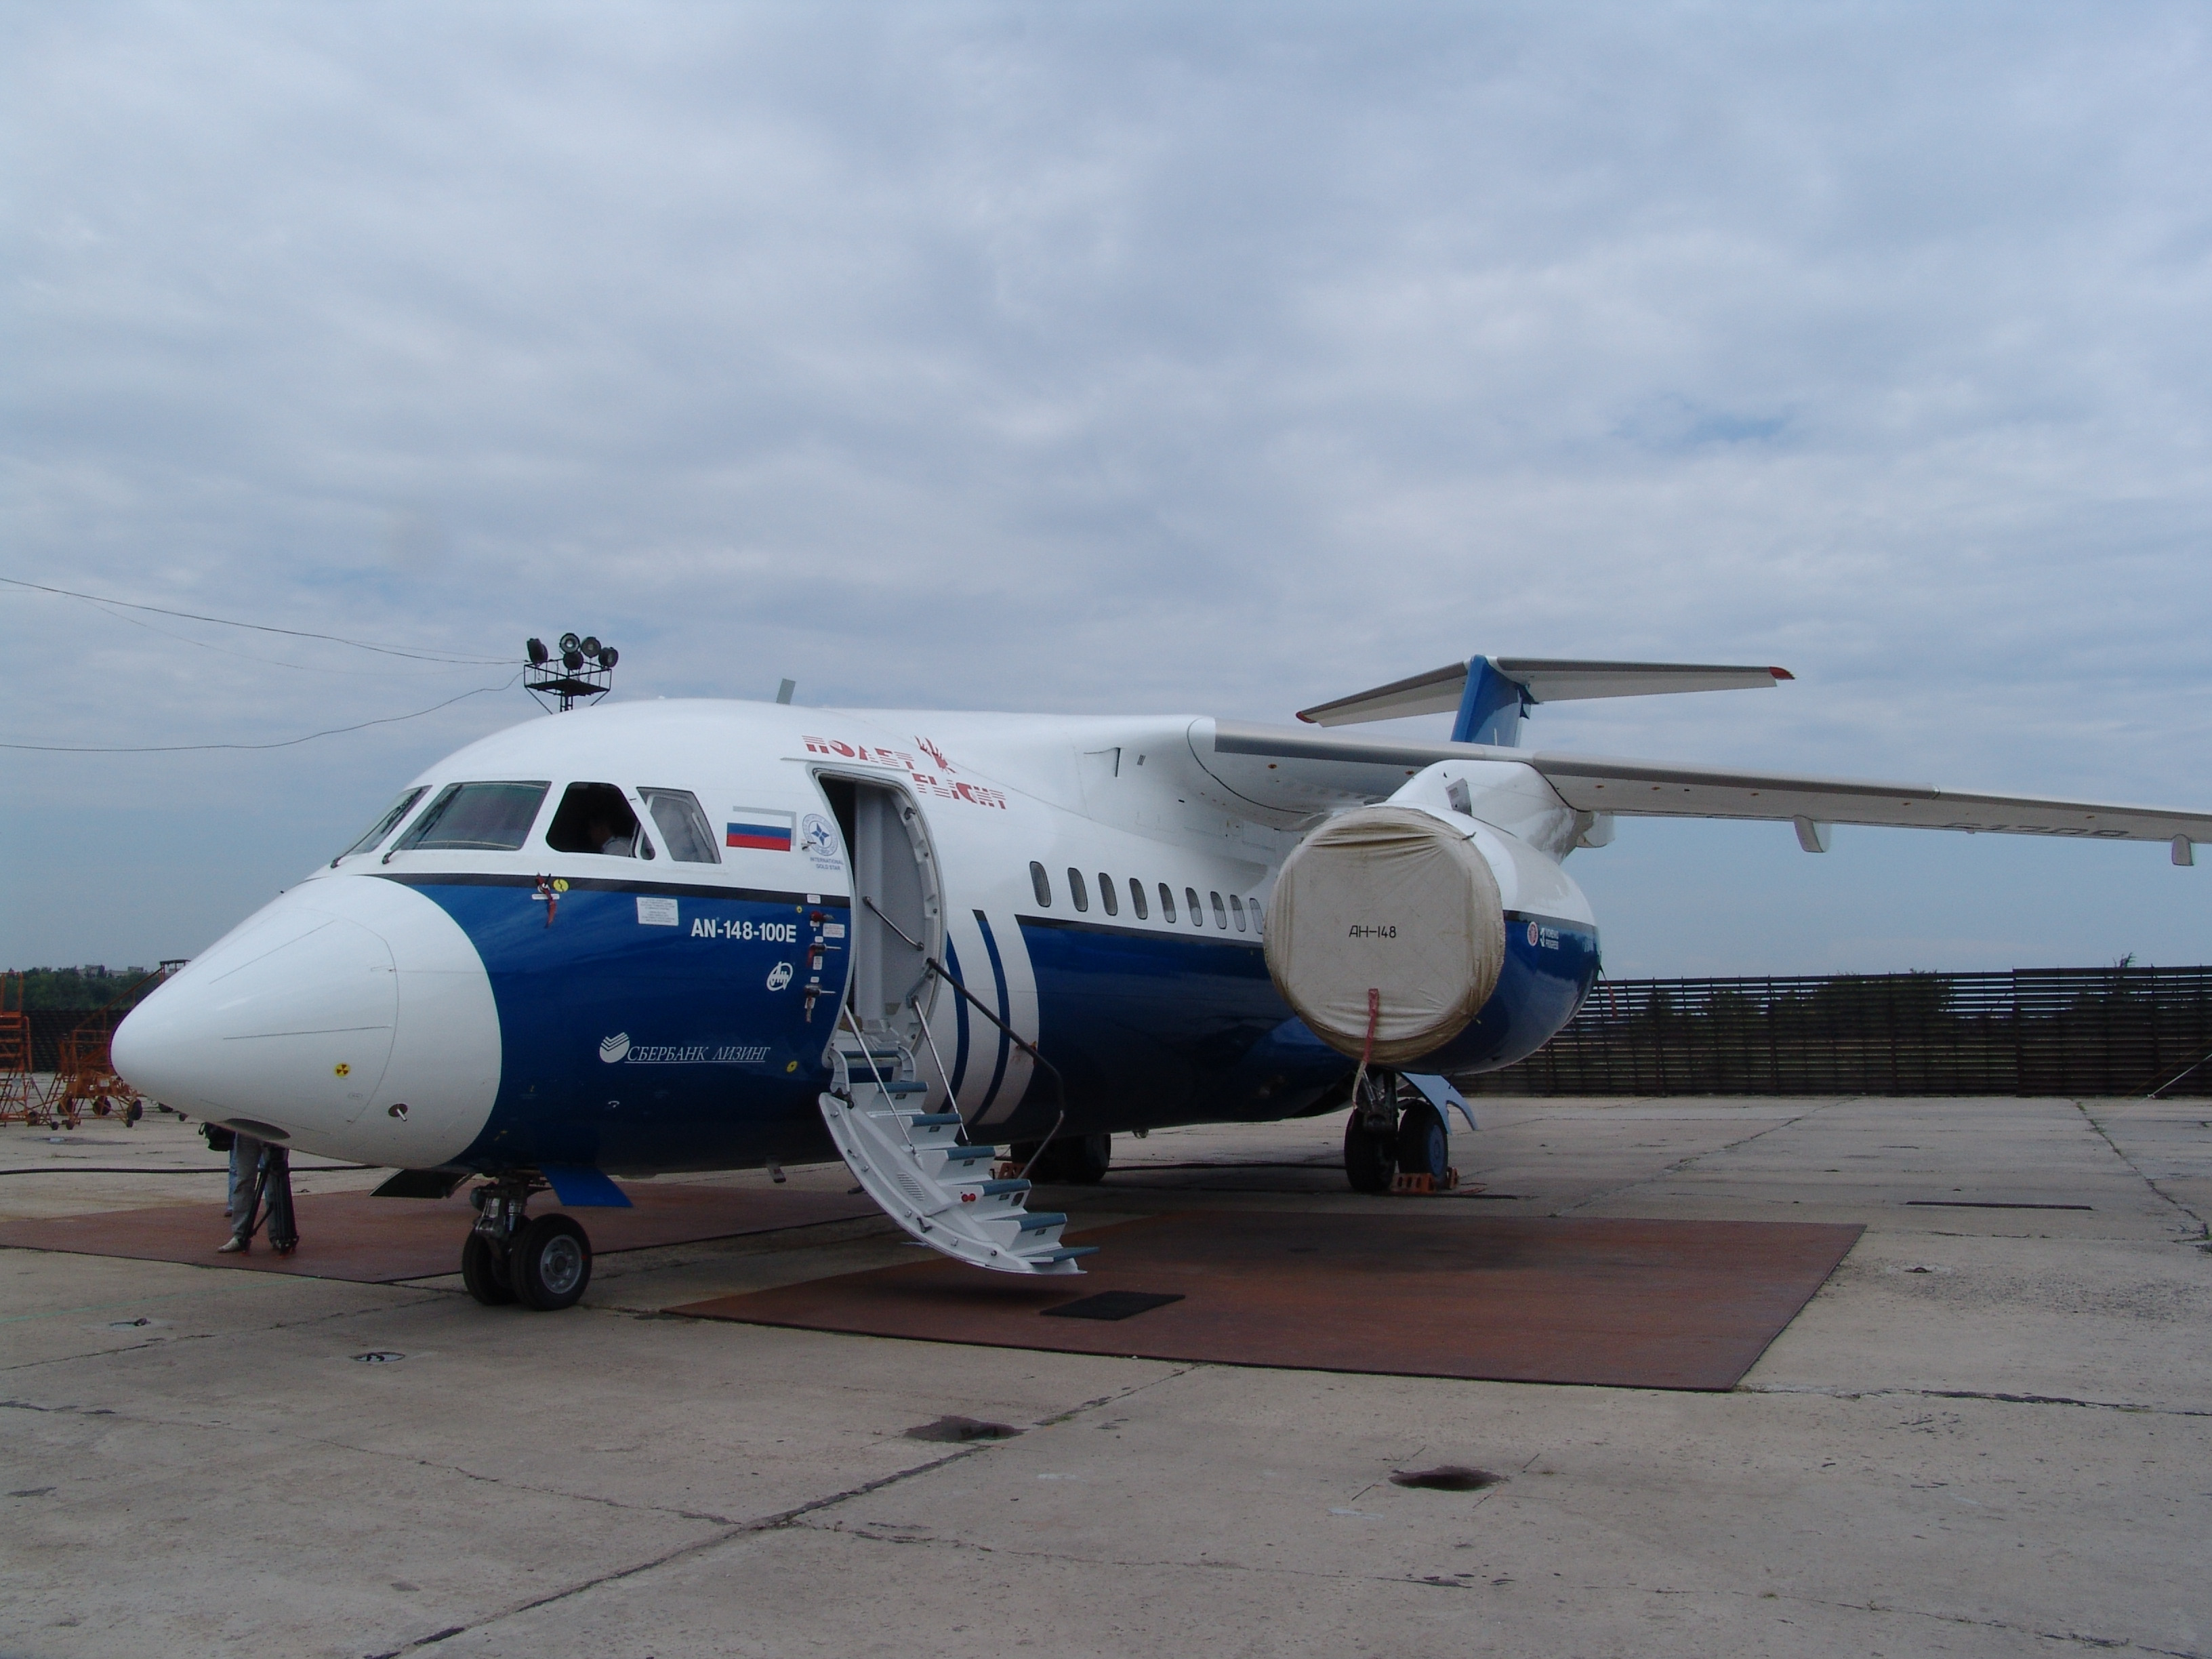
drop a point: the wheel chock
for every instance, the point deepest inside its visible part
(1424, 1186)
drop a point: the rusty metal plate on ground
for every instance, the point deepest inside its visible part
(1622, 1303)
(376, 1240)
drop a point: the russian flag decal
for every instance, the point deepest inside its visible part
(764, 832)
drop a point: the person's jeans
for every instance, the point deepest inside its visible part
(276, 1197)
(244, 1167)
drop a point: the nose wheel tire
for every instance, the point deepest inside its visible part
(483, 1274)
(550, 1263)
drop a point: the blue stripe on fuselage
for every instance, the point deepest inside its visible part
(705, 1067)
(630, 1045)
(1148, 1026)
(1152, 1027)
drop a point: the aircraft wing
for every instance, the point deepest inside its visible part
(1268, 764)
(1590, 784)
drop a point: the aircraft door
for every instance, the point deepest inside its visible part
(892, 871)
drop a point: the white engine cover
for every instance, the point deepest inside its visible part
(1388, 933)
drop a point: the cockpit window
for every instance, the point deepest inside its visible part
(385, 825)
(477, 818)
(684, 829)
(594, 817)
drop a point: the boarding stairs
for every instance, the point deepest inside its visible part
(920, 1168)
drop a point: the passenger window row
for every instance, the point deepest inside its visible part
(1109, 899)
(593, 818)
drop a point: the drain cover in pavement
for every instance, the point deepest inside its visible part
(1114, 1305)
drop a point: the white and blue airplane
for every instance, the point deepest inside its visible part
(655, 936)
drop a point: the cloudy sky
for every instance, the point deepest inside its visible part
(1104, 358)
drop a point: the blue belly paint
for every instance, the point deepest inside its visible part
(631, 1045)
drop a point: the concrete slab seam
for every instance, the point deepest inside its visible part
(2136, 1169)
(740, 1529)
(1682, 1164)
(1997, 1397)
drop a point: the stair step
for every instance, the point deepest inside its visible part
(944, 1193)
(897, 1086)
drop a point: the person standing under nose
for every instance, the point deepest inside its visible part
(260, 1187)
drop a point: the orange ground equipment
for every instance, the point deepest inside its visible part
(85, 1082)
(21, 1094)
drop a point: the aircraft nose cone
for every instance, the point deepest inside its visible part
(289, 1022)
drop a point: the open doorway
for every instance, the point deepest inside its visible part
(895, 893)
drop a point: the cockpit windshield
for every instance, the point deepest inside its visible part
(477, 818)
(385, 825)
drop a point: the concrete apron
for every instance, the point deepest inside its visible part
(1986, 1434)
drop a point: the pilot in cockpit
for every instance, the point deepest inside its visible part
(595, 817)
(604, 837)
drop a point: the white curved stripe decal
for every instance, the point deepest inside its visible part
(967, 959)
(1010, 956)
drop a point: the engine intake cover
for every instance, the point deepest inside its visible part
(1394, 900)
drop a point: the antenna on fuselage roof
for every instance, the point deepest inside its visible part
(783, 691)
(583, 671)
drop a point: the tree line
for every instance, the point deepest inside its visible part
(93, 986)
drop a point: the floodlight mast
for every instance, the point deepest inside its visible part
(581, 670)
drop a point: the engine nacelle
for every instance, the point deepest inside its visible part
(1387, 934)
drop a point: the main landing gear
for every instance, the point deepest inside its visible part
(1071, 1160)
(1384, 1137)
(542, 1262)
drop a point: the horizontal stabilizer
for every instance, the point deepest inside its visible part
(1540, 679)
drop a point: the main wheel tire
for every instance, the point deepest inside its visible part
(1424, 1144)
(1084, 1162)
(549, 1264)
(1370, 1159)
(483, 1274)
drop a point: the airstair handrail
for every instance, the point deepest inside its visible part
(929, 962)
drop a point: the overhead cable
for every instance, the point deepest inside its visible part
(286, 743)
(258, 628)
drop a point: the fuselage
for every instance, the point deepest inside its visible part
(512, 989)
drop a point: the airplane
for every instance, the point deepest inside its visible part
(647, 938)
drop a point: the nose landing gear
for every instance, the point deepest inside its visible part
(543, 1261)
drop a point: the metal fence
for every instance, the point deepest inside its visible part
(2035, 1031)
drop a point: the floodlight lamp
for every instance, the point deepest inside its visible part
(536, 649)
(571, 659)
(608, 657)
(590, 646)
(570, 642)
